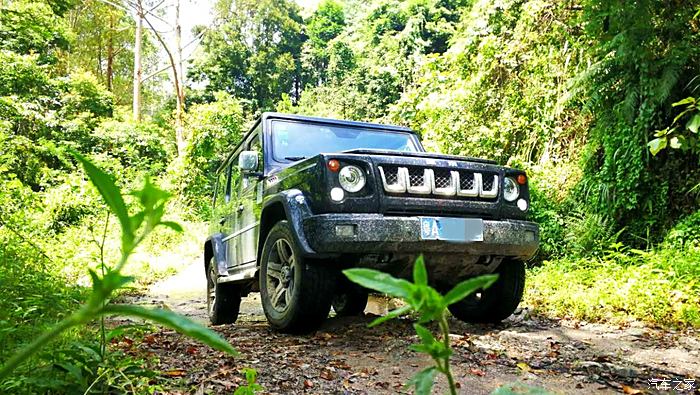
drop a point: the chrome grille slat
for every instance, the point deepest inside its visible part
(417, 183)
(442, 182)
(474, 186)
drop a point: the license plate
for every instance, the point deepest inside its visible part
(452, 229)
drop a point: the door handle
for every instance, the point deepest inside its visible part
(240, 208)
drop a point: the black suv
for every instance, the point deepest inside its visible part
(302, 198)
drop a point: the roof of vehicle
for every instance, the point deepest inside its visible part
(294, 117)
(304, 118)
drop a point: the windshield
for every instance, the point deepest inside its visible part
(293, 141)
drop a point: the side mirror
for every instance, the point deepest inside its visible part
(248, 161)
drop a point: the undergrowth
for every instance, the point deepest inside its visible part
(660, 287)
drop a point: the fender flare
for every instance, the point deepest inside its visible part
(296, 210)
(217, 250)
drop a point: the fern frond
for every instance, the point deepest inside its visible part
(668, 81)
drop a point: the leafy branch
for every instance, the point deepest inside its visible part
(683, 136)
(430, 306)
(134, 229)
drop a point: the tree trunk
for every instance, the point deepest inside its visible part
(137, 62)
(110, 51)
(180, 89)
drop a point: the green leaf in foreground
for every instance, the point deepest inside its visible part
(110, 193)
(420, 275)
(423, 381)
(379, 281)
(175, 321)
(466, 287)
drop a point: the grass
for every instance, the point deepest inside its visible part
(37, 293)
(660, 287)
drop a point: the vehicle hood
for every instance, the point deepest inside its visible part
(429, 155)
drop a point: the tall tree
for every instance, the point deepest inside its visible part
(104, 38)
(253, 51)
(325, 24)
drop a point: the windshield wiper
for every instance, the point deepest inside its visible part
(294, 158)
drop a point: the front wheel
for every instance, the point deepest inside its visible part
(497, 302)
(296, 294)
(223, 300)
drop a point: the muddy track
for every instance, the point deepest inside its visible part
(346, 357)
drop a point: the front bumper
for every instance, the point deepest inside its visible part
(376, 233)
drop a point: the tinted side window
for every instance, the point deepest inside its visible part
(235, 180)
(220, 191)
(253, 144)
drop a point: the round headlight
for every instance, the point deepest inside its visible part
(351, 178)
(511, 190)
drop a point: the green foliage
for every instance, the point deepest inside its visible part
(143, 146)
(659, 287)
(571, 91)
(430, 306)
(32, 28)
(254, 52)
(634, 77)
(686, 233)
(134, 229)
(103, 45)
(251, 386)
(78, 366)
(215, 129)
(325, 24)
(681, 136)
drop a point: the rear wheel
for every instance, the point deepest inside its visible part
(350, 299)
(223, 300)
(497, 302)
(296, 293)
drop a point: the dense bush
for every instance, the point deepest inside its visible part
(658, 287)
(215, 129)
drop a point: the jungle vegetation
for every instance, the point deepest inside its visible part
(597, 100)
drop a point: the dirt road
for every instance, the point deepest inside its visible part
(346, 357)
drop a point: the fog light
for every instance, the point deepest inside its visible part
(529, 236)
(337, 194)
(522, 204)
(345, 230)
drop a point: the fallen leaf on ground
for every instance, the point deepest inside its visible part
(175, 373)
(477, 372)
(631, 391)
(326, 375)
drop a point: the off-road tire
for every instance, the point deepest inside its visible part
(350, 299)
(226, 304)
(308, 299)
(498, 301)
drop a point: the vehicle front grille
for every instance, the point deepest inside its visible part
(414, 180)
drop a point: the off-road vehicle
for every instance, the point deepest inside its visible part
(301, 198)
